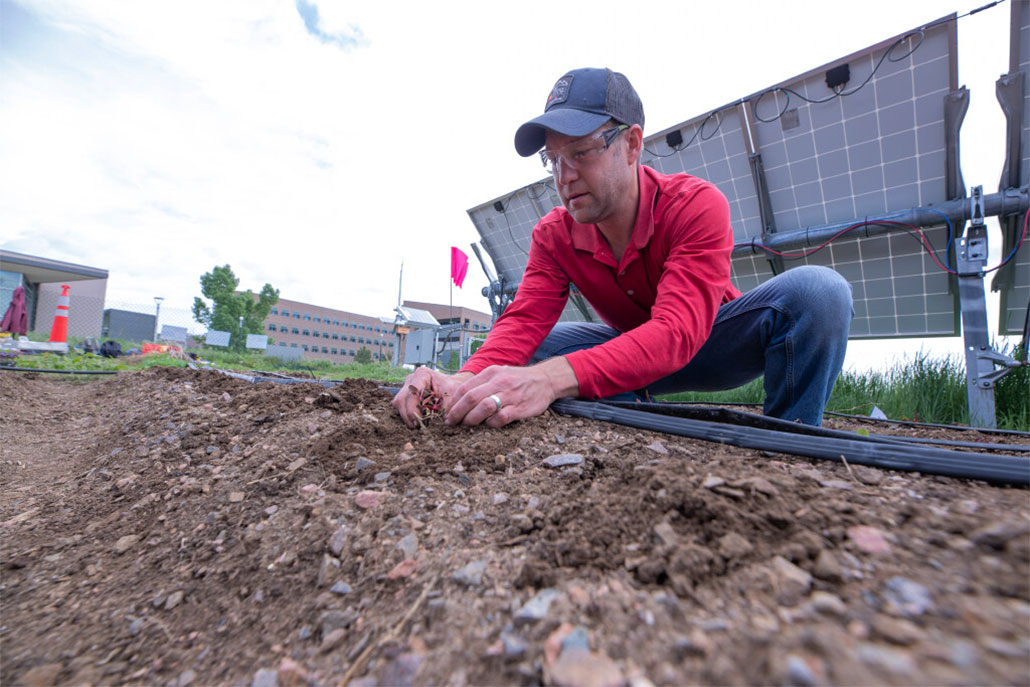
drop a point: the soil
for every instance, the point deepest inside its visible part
(178, 527)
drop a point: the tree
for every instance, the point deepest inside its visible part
(237, 313)
(363, 356)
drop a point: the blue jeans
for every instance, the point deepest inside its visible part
(793, 329)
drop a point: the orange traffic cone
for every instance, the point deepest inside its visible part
(59, 331)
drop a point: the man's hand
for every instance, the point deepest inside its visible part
(406, 402)
(523, 392)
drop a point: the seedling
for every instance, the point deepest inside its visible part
(430, 404)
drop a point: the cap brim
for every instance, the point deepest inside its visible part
(567, 121)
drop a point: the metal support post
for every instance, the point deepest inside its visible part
(980, 357)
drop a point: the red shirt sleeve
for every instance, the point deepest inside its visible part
(695, 241)
(528, 320)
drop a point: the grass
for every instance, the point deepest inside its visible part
(922, 388)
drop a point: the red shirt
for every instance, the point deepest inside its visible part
(663, 295)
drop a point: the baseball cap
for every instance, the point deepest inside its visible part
(580, 102)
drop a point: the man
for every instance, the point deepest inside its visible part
(651, 253)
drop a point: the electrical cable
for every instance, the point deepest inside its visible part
(920, 32)
(920, 236)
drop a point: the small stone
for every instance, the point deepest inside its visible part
(867, 475)
(799, 673)
(733, 545)
(759, 484)
(41, 676)
(332, 640)
(338, 540)
(792, 581)
(292, 674)
(173, 600)
(471, 575)
(341, 588)
(659, 448)
(514, 646)
(367, 500)
(897, 630)
(665, 534)
(553, 644)
(837, 484)
(405, 568)
(891, 660)
(271, 510)
(226, 396)
(125, 543)
(711, 482)
(560, 460)
(827, 567)
(910, 598)
(265, 677)
(335, 620)
(579, 667)
(236, 496)
(536, 608)
(997, 534)
(296, 464)
(868, 539)
(186, 678)
(364, 463)
(578, 639)
(135, 627)
(381, 477)
(401, 671)
(499, 498)
(327, 570)
(696, 644)
(408, 545)
(828, 604)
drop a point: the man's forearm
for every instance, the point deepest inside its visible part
(561, 377)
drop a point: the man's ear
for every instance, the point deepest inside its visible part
(634, 143)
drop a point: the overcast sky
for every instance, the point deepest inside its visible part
(316, 145)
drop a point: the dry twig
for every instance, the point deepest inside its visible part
(360, 661)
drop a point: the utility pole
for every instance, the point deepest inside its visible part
(157, 315)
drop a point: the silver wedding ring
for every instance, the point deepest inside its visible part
(497, 401)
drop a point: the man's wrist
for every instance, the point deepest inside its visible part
(560, 376)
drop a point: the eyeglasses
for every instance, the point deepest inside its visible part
(578, 154)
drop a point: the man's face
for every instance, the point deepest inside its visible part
(593, 188)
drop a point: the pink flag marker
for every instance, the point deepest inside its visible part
(459, 266)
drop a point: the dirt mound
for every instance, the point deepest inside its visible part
(184, 527)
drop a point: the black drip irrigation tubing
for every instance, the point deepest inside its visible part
(9, 368)
(866, 418)
(739, 417)
(998, 469)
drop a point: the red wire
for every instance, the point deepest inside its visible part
(923, 240)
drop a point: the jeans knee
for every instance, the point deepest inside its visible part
(823, 293)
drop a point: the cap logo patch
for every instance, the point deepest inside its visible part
(560, 92)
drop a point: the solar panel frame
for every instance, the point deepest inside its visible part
(839, 161)
(1013, 280)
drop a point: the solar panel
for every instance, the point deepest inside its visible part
(800, 154)
(216, 338)
(1013, 280)
(257, 341)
